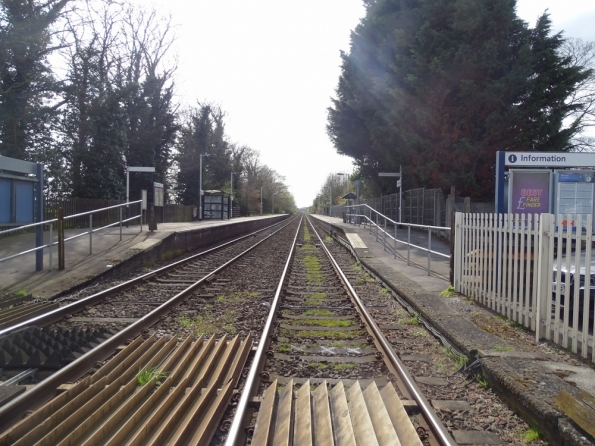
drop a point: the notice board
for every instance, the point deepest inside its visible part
(574, 195)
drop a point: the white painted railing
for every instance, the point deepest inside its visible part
(517, 265)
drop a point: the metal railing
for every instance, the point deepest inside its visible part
(378, 226)
(51, 222)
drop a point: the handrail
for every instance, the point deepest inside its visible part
(103, 209)
(89, 232)
(45, 222)
(394, 238)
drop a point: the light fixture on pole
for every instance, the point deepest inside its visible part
(232, 184)
(201, 193)
(231, 194)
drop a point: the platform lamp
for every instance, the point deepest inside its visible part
(201, 193)
(231, 194)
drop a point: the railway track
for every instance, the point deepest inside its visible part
(321, 345)
(276, 346)
(79, 346)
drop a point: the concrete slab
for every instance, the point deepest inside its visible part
(355, 240)
(579, 376)
(145, 245)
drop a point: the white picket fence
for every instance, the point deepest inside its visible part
(515, 265)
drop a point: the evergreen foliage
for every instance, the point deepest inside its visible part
(25, 78)
(440, 86)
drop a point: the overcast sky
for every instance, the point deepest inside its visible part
(272, 66)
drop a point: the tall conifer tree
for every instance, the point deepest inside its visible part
(440, 86)
(25, 77)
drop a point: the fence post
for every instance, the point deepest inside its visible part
(544, 273)
(51, 243)
(61, 239)
(452, 248)
(458, 251)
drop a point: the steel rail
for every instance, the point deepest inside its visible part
(431, 417)
(236, 432)
(74, 307)
(47, 388)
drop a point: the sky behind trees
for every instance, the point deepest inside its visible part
(273, 66)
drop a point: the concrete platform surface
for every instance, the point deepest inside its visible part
(530, 374)
(18, 275)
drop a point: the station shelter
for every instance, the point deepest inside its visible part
(216, 205)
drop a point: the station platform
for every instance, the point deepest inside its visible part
(18, 275)
(529, 375)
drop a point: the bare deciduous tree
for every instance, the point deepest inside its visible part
(580, 53)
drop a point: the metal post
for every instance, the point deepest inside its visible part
(90, 233)
(376, 226)
(400, 193)
(120, 223)
(39, 218)
(408, 244)
(200, 188)
(384, 233)
(141, 220)
(61, 239)
(127, 195)
(395, 252)
(429, 249)
(261, 201)
(51, 243)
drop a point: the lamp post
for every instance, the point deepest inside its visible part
(206, 155)
(273, 210)
(261, 201)
(231, 194)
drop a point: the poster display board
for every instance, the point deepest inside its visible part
(529, 191)
(575, 192)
